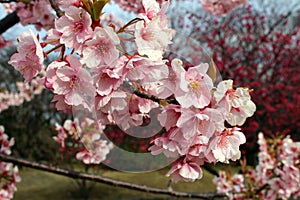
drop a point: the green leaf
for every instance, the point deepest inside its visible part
(97, 7)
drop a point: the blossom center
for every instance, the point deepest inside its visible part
(103, 48)
(78, 26)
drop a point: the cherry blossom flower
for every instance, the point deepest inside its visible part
(70, 79)
(4, 43)
(146, 72)
(152, 39)
(221, 7)
(29, 59)
(37, 13)
(102, 48)
(75, 27)
(188, 171)
(193, 87)
(152, 36)
(65, 4)
(225, 145)
(9, 173)
(95, 155)
(237, 103)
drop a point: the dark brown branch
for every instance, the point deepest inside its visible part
(105, 180)
(7, 1)
(55, 7)
(9, 21)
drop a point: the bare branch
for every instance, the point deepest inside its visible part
(9, 21)
(55, 7)
(105, 180)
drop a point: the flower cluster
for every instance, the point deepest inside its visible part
(268, 63)
(36, 12)
(84, 139)
(102, 73)
(9, 172)
(221, 7)
(277, 175)
(26, 92)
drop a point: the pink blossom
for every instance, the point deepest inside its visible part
(151, 8)
(225, 145)
(9, 7)
(164, 145)
(108, 78)
(102, 48)
(9, 173)
(70, 79)
(134, 114)
(169, 116)
(29, 59)
(75, 27)
(188, 171)
(4, 43)
(65, 4)
(237, 103)
(37, 13)
(152, 39)
(146, 71)
(96, 155)
(193, 87)
(221, 7)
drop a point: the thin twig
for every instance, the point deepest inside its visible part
(105, 180)
(55, 7)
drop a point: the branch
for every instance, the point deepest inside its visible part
(7, 1)
(9, 21)
(55, 7)
(105, 180)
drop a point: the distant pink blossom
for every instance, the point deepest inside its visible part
(221, 7)
(8, 172)
(4, 43)
(36, 12)
(29, 59)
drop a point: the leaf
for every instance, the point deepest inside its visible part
(212, 70)
(97, 7)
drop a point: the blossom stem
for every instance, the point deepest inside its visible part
(54, 48)
(122, 29)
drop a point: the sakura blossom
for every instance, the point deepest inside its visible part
(194, 86)
(221, 7)
(75, 27)
(85, 136)
(37, 13)
(97, 74)
(188, 171)
(225, 145)
(272, 178)
(26, 92)
(11, 172)
(102, 48)
(29, 59)
(152, 36)
(237, 103)
(68, 78)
